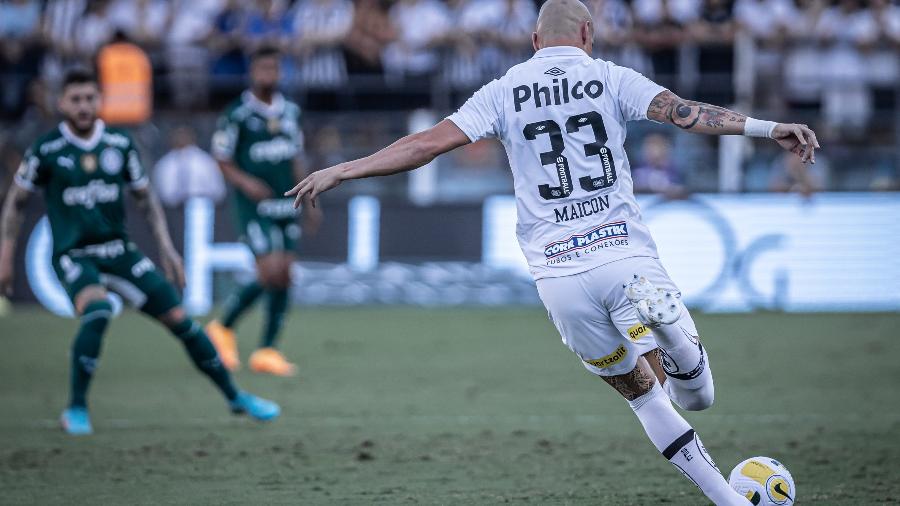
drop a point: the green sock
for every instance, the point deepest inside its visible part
(275, 308)
(239, 302)
(204, 356)
(86, 349)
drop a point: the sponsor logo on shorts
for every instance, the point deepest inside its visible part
(109, 249)
(606, 235)
(143, 266)
(276, 208)
(611, 359)
(636, 332)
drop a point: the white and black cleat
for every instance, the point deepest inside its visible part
(654, 306)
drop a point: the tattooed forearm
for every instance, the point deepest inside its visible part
(12, 215)
(695, 116)
(147, 202)
(634, 384)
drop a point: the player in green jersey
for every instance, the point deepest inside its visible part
(83, 168)
(259, 145)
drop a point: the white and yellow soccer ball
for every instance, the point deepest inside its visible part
(764, 482)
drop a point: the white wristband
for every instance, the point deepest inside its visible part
(759, 128)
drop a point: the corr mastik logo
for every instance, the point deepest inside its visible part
(605, 231)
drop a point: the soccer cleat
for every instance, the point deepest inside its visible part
(654, 306)
(225, 343)
(271, 361)
(257, 407)
(76, 421)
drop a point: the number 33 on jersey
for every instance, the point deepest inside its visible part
(561, 117)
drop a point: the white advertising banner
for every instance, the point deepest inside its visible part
(831, 252)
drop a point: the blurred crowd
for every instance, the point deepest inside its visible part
(836, 61)
(807, 45)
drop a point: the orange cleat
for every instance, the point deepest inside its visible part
(271, 361)
(225, 343)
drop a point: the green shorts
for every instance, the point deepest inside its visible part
(265, 235)
(121, 268)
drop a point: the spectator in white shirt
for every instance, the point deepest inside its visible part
(187, 171)
(95, 29)
(768, 23)
(145, 22)
(320, 27)
(488, 37)
(420, 25)
(187, 54)
(661, 27)
(612, 32)
(505, 31)
(846, 30)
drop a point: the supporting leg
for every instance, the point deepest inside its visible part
(672, 435)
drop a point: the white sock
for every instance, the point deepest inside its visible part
(678, 442)
(689, 378)
(696, 399)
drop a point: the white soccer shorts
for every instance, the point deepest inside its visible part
(596, 320)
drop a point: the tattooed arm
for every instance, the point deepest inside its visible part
(635, 383)
(10, 223)
(701, 118)
(171, 261)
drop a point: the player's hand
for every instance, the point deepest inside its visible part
(255, 189)
(312, 220)
(314, 184)
(798, 139)
(6, 277)
(173, 266)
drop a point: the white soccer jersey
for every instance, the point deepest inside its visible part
(561, 117)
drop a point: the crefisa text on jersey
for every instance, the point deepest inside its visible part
(561, 93)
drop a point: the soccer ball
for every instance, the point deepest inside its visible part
(764, 482)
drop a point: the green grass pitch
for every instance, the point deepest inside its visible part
(456, 406)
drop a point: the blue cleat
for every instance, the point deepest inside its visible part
(76, 421)
(257, 407)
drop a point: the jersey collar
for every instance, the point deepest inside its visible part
(84, 144)
(268, 110)
(559, 51)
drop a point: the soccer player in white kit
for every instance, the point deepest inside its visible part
(561, 116)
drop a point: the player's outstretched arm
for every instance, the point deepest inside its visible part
(10, 223)
(701, 118)
(148, 202)
(408, 153)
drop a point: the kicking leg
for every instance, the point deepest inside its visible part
(671, 434)
(205, 358)
(688, 378)
(95, 310)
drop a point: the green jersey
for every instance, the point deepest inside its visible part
(83, 181)
(262, 140)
